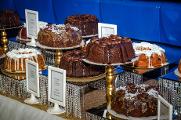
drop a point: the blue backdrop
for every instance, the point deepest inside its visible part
(144, 20)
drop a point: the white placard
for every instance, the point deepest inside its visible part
(32, 23)
(105, 30)
(32, 77)
(56, 85)
(165, 109)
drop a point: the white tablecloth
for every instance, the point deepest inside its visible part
(13, 110)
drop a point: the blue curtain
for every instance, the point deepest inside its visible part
(152, 20)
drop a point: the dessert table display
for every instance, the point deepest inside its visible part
(79, 95)
(77, 92)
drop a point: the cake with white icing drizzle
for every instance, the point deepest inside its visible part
(148, 55)
(59, 36)
(15, 59)
(135, 100)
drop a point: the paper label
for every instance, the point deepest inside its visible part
(56, 85)
(32, 77)
(32, 23)
(105, 30)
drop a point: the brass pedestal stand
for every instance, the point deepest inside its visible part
(4, 41)
(109, 86)
(58, 56)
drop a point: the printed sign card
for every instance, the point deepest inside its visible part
(165, 109)
(105, 30)
(56, 89)
(32, 25)
(32, 80)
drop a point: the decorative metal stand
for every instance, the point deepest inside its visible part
(109, 86)
(4, 41)
(58, 56)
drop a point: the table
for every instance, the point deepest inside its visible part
(13, 110)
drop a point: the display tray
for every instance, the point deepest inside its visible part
(177, 72)
(103, 64)
(17, 76)
(89, 36)
(85, 79)
(56, 48)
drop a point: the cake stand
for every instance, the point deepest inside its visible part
(58, 53)
(21, 40)
(85, 80)
(4, 41)
(89, 36)
(109, 80)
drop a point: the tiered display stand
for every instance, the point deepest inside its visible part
(110, 82)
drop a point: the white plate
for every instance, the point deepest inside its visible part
(112, 112)
(11, 27)
(89, 36)
(21, 39)
(102, 64)
(177, 72)
(56, 48)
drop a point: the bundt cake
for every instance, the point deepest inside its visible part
(75, 67)
(148, 55)
(9, 18)
(135, 100)
(59, 36)
(112, 49)
(15, 59)
(87, 23)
